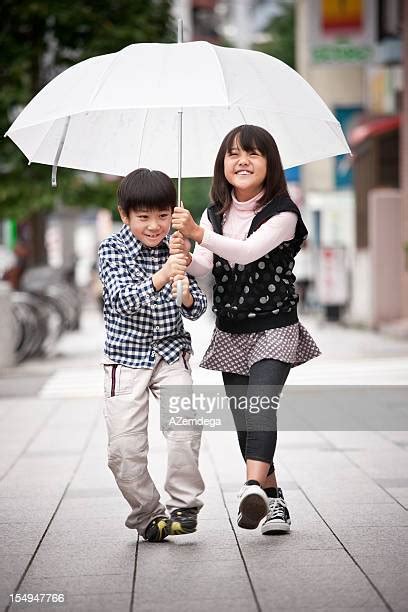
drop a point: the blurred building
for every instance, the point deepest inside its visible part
(350, 51)
(236, 22)
(200, 19)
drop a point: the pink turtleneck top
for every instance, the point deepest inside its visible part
(233, 245)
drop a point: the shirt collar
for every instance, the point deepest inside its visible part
(134, 245)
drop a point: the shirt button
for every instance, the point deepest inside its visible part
(153, 354)
(157, 327)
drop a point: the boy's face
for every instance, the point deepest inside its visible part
(148, 226)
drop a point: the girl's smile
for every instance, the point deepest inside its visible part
(245, 171)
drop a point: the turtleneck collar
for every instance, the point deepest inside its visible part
(249, 205)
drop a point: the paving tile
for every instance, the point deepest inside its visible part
(382, 464)
(362, 514)
(381, 541)
(37, 476)
(94, 508)
(389, 574)
(102, 602)
(32, 508)
(400, 494)
(363, 440)
(21, 538)
(311, 580)
(209, 602)
(397, 483)
(101, 558)
(68, 532)
(222, 577)
(12, 567)
(79, 585)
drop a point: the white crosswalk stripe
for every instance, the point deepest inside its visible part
(74, 382)
(392, 371)
(77, 382)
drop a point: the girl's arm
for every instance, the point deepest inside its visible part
(271, 234)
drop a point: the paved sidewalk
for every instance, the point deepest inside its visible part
(62, 518)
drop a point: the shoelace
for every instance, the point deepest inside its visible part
(276, 508)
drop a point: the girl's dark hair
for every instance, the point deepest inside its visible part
(145, 189)
(249, 137)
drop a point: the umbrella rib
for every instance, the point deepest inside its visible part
(242, 113)
(222, 73)
(142, 138)
(102, 82)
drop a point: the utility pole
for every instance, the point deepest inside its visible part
(243, 18)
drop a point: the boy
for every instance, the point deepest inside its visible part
(146, 346)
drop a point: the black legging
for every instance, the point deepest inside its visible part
(256, 444)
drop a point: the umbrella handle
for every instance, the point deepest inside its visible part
(179, 296)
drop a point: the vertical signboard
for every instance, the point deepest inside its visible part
(342, 31)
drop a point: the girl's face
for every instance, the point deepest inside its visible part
(245, 171)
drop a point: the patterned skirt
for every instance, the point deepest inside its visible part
(238, 352)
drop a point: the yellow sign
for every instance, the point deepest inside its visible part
(341, 15)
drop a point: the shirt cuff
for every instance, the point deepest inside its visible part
(165, 292)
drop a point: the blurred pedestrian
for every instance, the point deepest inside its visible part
(96, 286)
(249, 237)
(146, 347)
(304, 276)
(14, 273)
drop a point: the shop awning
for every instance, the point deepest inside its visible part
(372, 128)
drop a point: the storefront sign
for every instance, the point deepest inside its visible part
(341, 31)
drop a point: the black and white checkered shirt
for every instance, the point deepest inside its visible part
(141, 322)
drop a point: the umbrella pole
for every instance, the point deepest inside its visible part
(179, 297)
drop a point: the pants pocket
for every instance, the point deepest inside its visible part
(118, 380)
(110, 380)
(186, 360)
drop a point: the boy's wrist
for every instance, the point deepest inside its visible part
(188, 301)
(159, 279)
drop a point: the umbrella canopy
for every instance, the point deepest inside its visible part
(114, 113)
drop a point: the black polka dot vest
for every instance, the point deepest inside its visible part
(260, 295)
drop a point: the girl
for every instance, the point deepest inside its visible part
(249, 237)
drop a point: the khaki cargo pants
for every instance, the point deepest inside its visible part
(126, 414)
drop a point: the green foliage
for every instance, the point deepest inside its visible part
(195, 195)
(38, 39)
(281, 30)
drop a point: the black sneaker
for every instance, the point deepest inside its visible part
(278, 519)
(183, 520)
(158, 529)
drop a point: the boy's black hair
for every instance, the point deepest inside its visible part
(145, 189)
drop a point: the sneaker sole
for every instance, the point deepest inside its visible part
(252, 509)
(275, 529)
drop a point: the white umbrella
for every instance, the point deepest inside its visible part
(116, 112)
